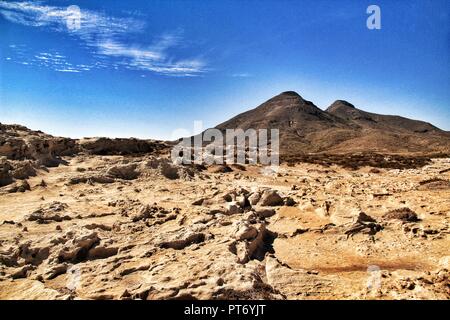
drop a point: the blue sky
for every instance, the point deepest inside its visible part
(147, 68)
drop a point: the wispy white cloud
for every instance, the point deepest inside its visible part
(69, 70)
(113, 48)
(53, 60)
(106, 36)
(36, 14)
(241, 75)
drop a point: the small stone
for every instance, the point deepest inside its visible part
(271, 198)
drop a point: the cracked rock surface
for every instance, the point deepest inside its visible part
(120, 227)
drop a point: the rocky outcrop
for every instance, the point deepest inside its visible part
(126, 171)
(181, 239)
(403, 214)
(253, 241)
(5, 174)
(107, 146)
(364, 223)
(20, 143)
(24, 151)
(53, 212)
(23, 169)
(17, 186)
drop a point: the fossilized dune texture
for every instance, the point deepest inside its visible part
(118, 227)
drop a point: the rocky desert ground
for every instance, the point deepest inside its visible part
(217, 151)
(139, 227)
(101, 218)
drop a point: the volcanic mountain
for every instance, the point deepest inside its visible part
(342, 128)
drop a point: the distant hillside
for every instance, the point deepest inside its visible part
(342, 128)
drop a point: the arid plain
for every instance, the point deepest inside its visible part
(116, 219)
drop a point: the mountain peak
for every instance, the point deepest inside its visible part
(287, 97)
(342, 103)
(341, 106)
(290, 93)
(304, 127)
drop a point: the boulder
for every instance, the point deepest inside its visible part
(232, 208)
(126, 171)
(245, 231)
(270, 198)
(77, 249)
(254, 198)
(23, 170)
(263, 212)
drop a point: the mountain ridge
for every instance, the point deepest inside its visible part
(341, 128)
